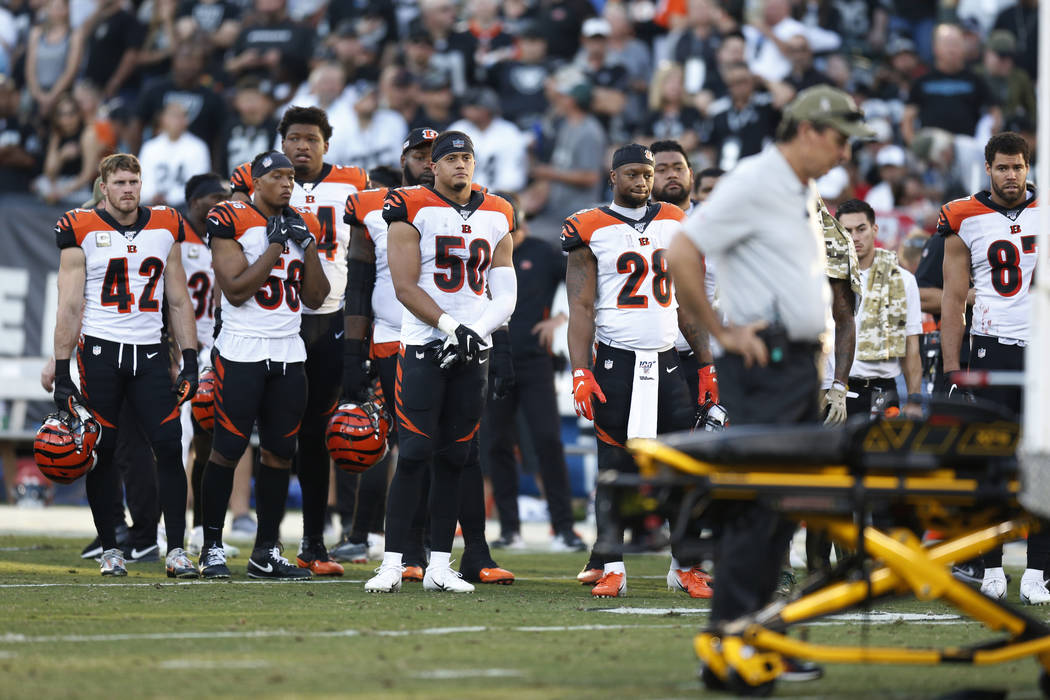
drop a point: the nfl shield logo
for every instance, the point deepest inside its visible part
(639, 227)
(96, 350)
(458, 143)
(608, 364)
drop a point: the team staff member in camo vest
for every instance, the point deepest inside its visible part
(768, 244)
(889, 322)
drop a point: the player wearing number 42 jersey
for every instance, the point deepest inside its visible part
(322, 189)
(120, 265)
(266, 264)
(990, 237)
(620, 293)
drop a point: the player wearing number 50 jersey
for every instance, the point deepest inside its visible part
(620, 293)
(120, 265)
(267, 267)
(451, 261)
(323, 189)
(990, 237)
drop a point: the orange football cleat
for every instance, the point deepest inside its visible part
(320, 567)
(495, 575)
(589, 577)
(412, 573)
(691, 581)
(610, 586)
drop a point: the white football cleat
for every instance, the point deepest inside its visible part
(994, 587)
(386, 580)
(443, 578)
(1033, 591)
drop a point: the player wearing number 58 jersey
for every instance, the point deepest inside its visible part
(620, 294)
(120, 265)
(322, 189)
(990, 237)
(266, 264)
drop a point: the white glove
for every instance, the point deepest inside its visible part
(835, 403)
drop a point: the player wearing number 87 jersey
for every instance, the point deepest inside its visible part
(119, 264)
(620, 293)
(266, 264)
(990, 237)
(323, 189)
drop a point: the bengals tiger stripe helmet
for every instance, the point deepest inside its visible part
(64, 447)
(357, 435)
(202, 404)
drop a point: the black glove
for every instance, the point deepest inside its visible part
(463, 347)
(65, 389)
(356, 374)
(186, 383)
(953, 389)
(275, 230)
(501, 376)
(295, 228)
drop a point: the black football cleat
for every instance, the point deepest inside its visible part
(267, 563)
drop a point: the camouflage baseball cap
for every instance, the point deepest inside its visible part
(828, 106)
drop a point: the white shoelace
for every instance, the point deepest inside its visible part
(214, 556)
(275, 554)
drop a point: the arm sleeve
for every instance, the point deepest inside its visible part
(503, 285)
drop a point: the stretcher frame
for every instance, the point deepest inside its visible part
(974, 504)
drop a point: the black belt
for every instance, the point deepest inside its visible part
(880, 382)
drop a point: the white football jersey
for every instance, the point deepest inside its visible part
(636, 308)
(124, 286)
(200, 281)
(1002, 260)
(326, 198)
(274, 311)
(456, 245)
(365, 209)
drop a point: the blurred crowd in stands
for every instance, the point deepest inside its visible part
(546, 88)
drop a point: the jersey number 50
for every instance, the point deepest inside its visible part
(473, 270)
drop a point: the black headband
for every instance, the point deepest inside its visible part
(272, 161)
(632, 153)
(207, 186)
(450, 142)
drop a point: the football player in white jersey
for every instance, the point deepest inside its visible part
(620, 294)
(267, 266)
(449, 249)
(990, 238)
(119, 265)
(323, 189)
(372, 306)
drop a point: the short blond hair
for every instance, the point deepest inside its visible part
(118, 161)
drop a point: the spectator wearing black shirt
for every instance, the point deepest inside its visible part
(520, 82)
(436, 103)
(803, 74)
(114, 37)
(20, 149)
(273, 47)
(492, 41)
(609, 81)
(951, 96)
(219, 20)
(453, 50)
(1022, 20)
(697, 49)
(373, 20)
(669, 117)
(915, 20)
(189, 85)
(540, 269)
(732, 52)
(356, 51)
(561, 21)
(249, 130)
(742, 123)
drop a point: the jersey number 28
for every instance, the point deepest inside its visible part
(636, 267)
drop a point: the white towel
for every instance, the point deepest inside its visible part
(645, 395)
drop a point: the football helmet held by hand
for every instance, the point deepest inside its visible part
(710, 417)
(64, 447)
(357, 435)
(203, 402)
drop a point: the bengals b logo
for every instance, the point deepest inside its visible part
(1015, 228)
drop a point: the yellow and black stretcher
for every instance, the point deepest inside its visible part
(955, 472)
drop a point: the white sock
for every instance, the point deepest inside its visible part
(675, 565)
(391, 559)
(994, 572)
(615, 567)
(1032, 575)
(440, 559)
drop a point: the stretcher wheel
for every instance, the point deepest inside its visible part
(1044, 683)
(710, 679)
(739, 687)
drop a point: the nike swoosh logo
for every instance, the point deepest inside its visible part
(150, 355)
(672, 369)
(482, 361)
(339, 335)
(386, 206)
(136, 553)
(268, 569)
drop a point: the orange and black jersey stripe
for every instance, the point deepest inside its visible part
(403, 203)
(232, 219)
(361, 204)
(75, 225)
(241, 179)
(577, 230)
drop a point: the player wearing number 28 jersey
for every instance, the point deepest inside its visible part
(266, 264)
(120, 265)
(620, 294)
(323, 189)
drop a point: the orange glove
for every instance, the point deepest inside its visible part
(585, 386)
(708, 384)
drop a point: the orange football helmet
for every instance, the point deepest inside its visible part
(357, 435)
(64, 447)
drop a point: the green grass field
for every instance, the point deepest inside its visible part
(66, 632)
